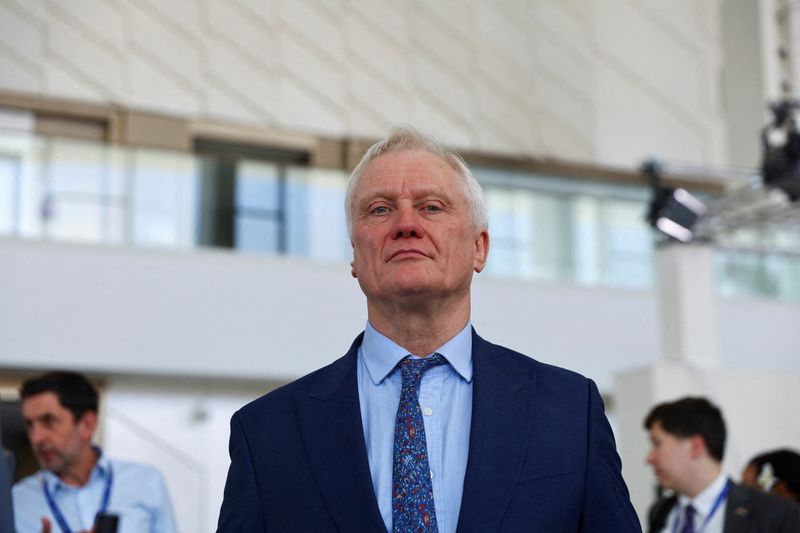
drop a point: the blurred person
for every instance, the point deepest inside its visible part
(688, 443)
(776, 472)
(77, 481)
(423, 425)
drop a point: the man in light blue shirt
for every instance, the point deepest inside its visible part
(77, 482)
(445, 397)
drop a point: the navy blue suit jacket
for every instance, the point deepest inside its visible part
(541, 454)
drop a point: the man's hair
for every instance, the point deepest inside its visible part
(74, 391)
(689, 416)
(785, 465)
(407, 138)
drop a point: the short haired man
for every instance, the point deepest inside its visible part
(77, 481)
(688, 444)
(424, 426)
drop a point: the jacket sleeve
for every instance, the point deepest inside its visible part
(607, 505)
(241, 505)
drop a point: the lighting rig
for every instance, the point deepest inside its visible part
(769, 200)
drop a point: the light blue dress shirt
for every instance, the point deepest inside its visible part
(445, 397)
(138, 496)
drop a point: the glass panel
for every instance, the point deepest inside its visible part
(315, 214)
(255, 234)
(257, 186)
(9, 197)
(258, 209)
(163, 198)
(628, 248)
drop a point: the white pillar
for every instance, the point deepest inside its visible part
(686, 304)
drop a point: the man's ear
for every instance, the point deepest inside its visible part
(698, 447)
(481, 251)
(87, 424)
(353, 262)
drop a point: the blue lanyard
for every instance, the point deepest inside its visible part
(720, 498)
(62, 522)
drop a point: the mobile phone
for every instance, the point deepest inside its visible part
(106, 523)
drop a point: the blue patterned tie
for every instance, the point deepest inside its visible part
(412, 492)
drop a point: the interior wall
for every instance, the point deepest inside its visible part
(210, 313)
(608, 81)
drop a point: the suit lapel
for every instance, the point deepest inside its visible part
(738, 510)
(502, 407)
(330, 423)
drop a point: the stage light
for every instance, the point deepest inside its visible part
(674, 212)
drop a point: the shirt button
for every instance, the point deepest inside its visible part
(431, 474)
(428, 411)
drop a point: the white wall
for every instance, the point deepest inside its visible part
(219, 314)
(609, 81)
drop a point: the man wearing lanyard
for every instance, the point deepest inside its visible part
(77, 481)
(688, 442)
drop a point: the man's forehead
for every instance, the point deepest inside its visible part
(41, 403)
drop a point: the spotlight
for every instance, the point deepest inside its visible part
(674, 212)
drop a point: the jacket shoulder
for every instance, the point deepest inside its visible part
(519, 363)
(770, 513)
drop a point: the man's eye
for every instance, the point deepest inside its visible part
(432, 208)
(380, 210)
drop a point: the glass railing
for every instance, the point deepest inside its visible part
(544, 229)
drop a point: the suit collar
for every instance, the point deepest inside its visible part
(330, 424)
(502, 407)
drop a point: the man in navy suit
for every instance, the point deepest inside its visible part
(507, 443)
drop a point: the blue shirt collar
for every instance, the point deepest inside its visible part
(382, 354)
(99, 471)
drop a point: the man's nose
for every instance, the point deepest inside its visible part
(35, 434)
(649, 458)
(407, 223)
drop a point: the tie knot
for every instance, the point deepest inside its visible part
(414, 368)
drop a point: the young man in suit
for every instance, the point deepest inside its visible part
(688, 443)
(423, 425)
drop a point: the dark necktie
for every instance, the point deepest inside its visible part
(688, 520)
(412, 491)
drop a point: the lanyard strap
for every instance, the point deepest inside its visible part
(720, 498)
(62, 522)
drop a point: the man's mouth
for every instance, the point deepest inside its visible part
(407, 254)
(45, 455)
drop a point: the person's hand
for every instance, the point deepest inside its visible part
(46, 527)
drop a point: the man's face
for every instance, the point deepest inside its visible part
(671, 458)
(412, 229)
(56, 437)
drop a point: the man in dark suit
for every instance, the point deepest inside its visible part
(688, 442)
(423, 425)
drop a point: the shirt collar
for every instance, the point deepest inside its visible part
(382, 354)
(704, 501)
(99, 471)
